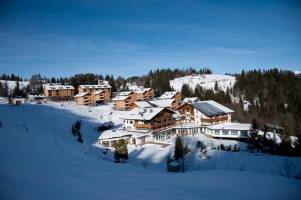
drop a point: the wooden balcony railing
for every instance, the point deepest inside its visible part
(214, 119)
(155, 126)
(142, 125)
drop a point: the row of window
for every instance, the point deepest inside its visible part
(228, 132)
(129, 121)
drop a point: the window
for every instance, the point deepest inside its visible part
(244, 133)
(234, 132)
(216, 132)
(105, 143)
(225, 132)
(131, 122)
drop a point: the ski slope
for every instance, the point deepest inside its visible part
(207, 81)
(41, 160)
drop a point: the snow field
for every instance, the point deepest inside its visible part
(40, 159)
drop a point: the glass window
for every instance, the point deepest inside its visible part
(225, 132)
(244, 133)
(234, 132)
(216, 132)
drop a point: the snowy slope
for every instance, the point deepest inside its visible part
(207, 81)
(12, 84)
(41, 160)
(154, 157)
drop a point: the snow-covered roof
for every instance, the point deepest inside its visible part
(58, 87)
(231, 126)
(125, 93)
(141, 91)
(140, 134)
(98, 92)
(120, 98)
(144, 104)
(82, 94)
(99, 86)
(162, 102)
(168, 95)
(119, 133)
(190, 99)
(115, 133)
(211, 108)
(142, 114)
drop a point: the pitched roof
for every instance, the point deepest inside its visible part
(211, 108)
(190, 99)
(125, 93)
(120, 98)
(116, 133)
(220, 106)
(98, 92)
(163, 102)
(58, 87)
(141, 91)
(143, 114)
(144, 104)
(81, 94)
(99, 86)
(168, 95)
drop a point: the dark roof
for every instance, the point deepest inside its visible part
(208, 109)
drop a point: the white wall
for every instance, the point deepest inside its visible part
(128, 124)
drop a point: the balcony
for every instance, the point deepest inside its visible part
(155, 126)
(148, 126)
(214, 119)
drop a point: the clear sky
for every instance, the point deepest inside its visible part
(130, 37)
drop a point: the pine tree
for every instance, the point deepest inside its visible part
(1, 90)
(186, 91)
(216, 86)
(121, 151)
(17, 91)
(5, 89)
(178, 148)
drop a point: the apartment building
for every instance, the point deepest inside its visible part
(58, 92)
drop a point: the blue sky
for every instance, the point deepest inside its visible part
(64, 37)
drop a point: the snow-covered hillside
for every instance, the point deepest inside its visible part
(297, 72)
(207, 81)
(40, 159)
(12, 84)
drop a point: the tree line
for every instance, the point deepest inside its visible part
(275, 97)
